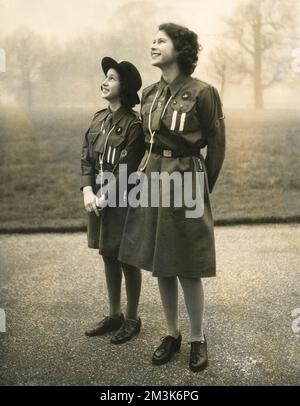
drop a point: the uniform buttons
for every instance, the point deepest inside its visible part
(186, 95)
(174, 102)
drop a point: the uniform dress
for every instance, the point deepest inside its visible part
(112, 138)
(186, 116)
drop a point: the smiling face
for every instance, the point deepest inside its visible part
(162, 50)
(110, 88)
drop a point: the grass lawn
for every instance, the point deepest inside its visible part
(40, 167)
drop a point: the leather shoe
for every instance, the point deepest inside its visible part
(198, 356)
(127, 331)
(169, 346)
(106, 325)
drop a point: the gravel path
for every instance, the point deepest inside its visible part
(52, 288)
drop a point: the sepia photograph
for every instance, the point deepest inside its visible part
(150, 195)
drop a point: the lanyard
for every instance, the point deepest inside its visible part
(152, 133)
(101, 157)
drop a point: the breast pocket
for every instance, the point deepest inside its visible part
(145, 110)
(115, 144)
(146, 106)
(145, 114)
(93, 139)
(181, 116)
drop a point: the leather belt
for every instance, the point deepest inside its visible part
(170, 153)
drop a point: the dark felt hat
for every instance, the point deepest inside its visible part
(130, 76)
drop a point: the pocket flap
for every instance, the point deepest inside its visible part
(184, 106)
(147, 106)
(93, 135)
(116, 140)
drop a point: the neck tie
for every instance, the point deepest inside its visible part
(108, 122)
(156, 114)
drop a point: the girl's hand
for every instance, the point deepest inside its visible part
(90, 200)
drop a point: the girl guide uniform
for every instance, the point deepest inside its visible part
(179, 120)
(112, 139)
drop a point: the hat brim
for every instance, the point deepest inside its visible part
(128, 72)
(109, 63)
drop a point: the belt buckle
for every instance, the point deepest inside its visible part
(167, 153)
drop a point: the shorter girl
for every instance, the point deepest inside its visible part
(115, 136)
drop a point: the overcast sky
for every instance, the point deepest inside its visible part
(68, 18)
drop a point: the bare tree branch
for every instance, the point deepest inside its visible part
(245, 47)
(263, 31)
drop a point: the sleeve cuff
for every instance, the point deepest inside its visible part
(86, 180)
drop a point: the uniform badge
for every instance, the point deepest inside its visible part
(119, 130)
(186, 95)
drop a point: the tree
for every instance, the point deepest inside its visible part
(262, 31)
(25, 54)
(132, 29)
(2, 71)
(2, 55)
(220, 67)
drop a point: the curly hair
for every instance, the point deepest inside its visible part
(185, 43)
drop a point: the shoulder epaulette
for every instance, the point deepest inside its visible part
(99, 111)
(148, 89)
(201, 84)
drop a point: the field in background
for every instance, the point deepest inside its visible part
(40, 167)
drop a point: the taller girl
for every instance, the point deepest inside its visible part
(180, 115)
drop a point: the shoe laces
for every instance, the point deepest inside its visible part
(105, 319)
(197, 351)
(124, 330)
(164, 340)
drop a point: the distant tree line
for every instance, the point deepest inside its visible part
(256, 50)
